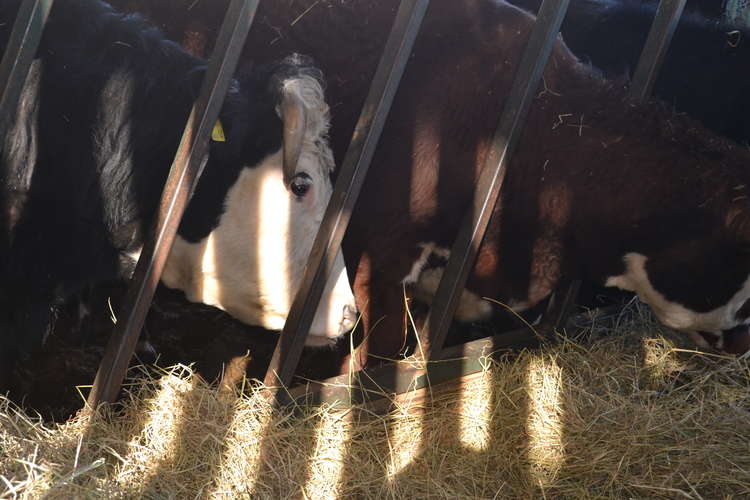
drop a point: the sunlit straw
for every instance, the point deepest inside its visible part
(327, 462)
(545, 421)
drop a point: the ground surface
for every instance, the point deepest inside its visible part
(181, 333)
(216, 345)
(627, 414)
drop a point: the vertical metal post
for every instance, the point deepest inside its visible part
(464, 251)
(662, 29)
(20, 51)
(188, 164)
(356, 163)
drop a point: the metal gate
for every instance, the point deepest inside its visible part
(191, 158)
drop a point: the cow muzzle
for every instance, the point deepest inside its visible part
(733, 341)
(337, 312)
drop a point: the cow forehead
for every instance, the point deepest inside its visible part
(680, 314)
(317, 120)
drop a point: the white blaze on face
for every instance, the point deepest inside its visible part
(252, 263)
(425, 283)
(672, 314)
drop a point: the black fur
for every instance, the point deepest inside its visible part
(705, 74)
(86, 158)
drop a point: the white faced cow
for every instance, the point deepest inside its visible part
(251, 267)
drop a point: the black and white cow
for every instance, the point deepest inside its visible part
(87, 154)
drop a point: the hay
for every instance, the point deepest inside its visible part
(631, 415)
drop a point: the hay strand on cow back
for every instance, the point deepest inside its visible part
(628, 415)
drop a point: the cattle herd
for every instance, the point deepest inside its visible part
(649, 198)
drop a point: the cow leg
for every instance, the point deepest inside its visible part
(384, 331)
(382, 325)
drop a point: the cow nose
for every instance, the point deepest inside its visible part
(348, 318)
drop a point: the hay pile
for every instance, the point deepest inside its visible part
(625, 416)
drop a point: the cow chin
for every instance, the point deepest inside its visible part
(336, 313)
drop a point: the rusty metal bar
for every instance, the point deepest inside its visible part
(356, 163)
(386, 381)
(19, 53)
(188, 164)
(464, 251)
(655, 49)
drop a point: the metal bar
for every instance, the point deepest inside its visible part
(368, 385)
(655, 49)
(565, 305)
(561, 303)
(19, 52)
(356, 163)
(188, 164)
(464, 251)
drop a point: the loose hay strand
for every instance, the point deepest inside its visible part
(636, 414)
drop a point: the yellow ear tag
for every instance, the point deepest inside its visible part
(217, 134)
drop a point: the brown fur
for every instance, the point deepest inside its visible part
(594, 176)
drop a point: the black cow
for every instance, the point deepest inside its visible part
(705, 73)
(86, 157)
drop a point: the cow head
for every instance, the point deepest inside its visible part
(251, 264)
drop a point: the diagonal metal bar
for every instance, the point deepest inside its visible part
(188, 164)
(19, 52)
(655, 49)
(356, 163)
(558, 311)
(464, 251)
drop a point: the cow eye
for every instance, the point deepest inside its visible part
(300, 185)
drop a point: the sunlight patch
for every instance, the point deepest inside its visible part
(327, 461)
(273, 244)
(404, 437)
(476, 413)
(544, 426)
(158, 441)
(241, 464)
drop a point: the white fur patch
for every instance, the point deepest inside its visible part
(418, 265)
(471, 307)
(252, 263)
(672, 314)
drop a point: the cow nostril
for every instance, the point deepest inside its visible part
(350, 312)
